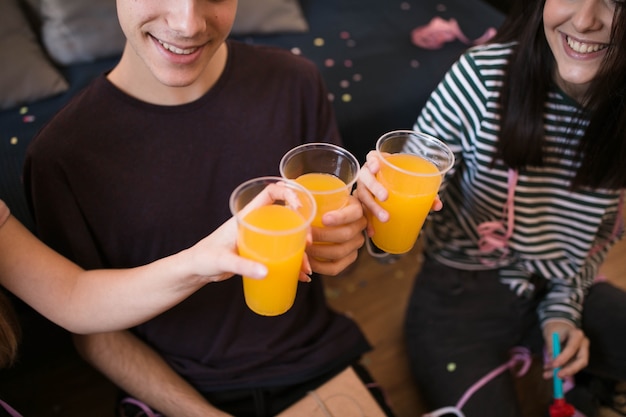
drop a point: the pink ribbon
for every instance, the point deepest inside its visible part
(520, 358)
(10, 410)
(495, 234)
(439, 31)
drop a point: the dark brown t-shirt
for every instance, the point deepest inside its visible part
(117, 182)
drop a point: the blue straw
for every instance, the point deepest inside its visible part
(558, 383)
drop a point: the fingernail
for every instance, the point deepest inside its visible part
(260, 271)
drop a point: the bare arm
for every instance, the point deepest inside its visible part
(142, 373)
(106, 300)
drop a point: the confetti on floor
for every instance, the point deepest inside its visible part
(332, 293)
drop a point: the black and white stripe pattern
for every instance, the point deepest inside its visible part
(555, 230)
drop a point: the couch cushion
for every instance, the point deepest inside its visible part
(27, 74)
(75, 31)
(269, 17)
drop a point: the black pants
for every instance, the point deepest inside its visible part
(604, 323)
(460, 325)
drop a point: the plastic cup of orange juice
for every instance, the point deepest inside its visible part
(275, 235)
(328, 171)
(412, 167)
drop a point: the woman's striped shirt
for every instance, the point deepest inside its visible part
(560, 235)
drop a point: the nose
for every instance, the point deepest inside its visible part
(186, 18)
(587, 16)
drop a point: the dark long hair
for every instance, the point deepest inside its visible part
(9, 332)
(528, 78)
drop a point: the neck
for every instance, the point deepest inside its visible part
(577, 92)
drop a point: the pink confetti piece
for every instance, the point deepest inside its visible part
(329, 62)
(28, 118)
(438, 32)
(405, 6)
(347, 63)
(357, 77)
(344, 83)
(344, 35)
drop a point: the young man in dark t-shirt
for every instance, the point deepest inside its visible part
(141, 164)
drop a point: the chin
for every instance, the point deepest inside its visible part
(577, 82)
(178, 81)
(178, 84)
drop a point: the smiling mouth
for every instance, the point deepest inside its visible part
(583, 47)
(175, 50)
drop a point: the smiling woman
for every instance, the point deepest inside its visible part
(534, 202)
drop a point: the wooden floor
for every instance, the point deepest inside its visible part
(374, 294)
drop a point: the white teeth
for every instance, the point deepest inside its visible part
(176, 50)
(584, 48)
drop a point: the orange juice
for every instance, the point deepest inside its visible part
(329, 191)
(412, 184)
(281, 251)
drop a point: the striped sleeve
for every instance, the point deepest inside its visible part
(566, 296)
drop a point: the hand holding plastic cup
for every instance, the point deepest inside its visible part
(328, 171)
(412, 167)
(275, 235)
